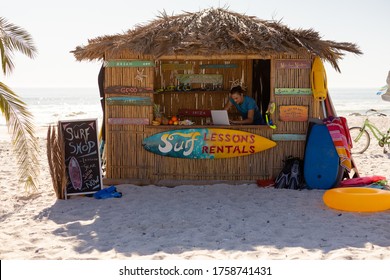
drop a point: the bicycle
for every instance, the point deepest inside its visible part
(361, 138)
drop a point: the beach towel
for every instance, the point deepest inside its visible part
(339, 132)
(363, 181)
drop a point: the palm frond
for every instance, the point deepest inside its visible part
(20, 125)
(6, 58)
(14, 38)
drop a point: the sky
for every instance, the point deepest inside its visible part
(58, 27)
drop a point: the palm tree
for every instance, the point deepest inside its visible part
(18, 118)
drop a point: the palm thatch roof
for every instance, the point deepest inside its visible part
(215, 31)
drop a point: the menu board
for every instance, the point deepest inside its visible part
(82, 159)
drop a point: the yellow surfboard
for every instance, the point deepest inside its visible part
(318, 80)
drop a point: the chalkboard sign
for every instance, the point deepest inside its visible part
(82, 159)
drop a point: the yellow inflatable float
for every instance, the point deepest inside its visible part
(357, 199)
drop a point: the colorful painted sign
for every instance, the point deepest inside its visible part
(217, 66)
(206, 143)
(296, 91)
(288, 137)
(137, 121)
(176, 66)
(293, 113)
(214, 79)
(194, 112)
(128, 63)
(127, 90)
(293, 64)
(129, 100)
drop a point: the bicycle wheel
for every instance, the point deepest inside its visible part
(360, 140)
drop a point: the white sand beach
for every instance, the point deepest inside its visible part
(210, 222)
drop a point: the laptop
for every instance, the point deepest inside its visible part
(220, 117)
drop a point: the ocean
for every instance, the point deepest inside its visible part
(49, 105)
(349, 101)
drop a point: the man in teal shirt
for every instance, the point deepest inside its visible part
(245, 105)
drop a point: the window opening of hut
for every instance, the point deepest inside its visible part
(261, 83)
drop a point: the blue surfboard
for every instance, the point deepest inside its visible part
(322, 168)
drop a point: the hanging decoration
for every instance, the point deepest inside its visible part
(140, 75)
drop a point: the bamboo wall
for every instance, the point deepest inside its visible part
(291, 78)
(124, 141)
(126, 158)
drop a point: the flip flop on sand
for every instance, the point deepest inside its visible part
(107, 193)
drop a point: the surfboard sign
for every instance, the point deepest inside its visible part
(176, 66)
(214, 79)
(130, 100)
(128, 63)
(127, 90)
(206, 143)
(217, 66)
(296, 91)
(293, 64)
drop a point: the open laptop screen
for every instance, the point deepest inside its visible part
(220, 117)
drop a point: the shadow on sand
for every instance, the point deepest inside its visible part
(150, 220)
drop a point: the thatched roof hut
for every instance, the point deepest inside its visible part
(215, 31)
(185, 65)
